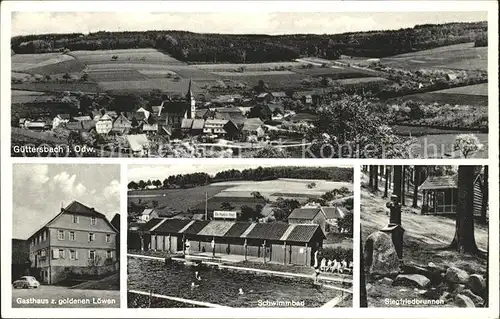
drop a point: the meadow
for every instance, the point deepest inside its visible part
(465, 95)
(459, 56)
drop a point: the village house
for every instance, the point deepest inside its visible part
(60, 119)
(150, 129)
(78, 240)
(215, 127)
(82, 118)
(103, 124)
(308, 215)
(147, 214)
(121, 124)
(279, 96)
(253, 126)
(193, 126)
(138, 144)
(37, 125)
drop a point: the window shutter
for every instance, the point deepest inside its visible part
(63, 253)
(55, 253)
(89, 254)
(76, 255)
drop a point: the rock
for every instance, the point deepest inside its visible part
(456, 288)
(478, 301)
(435, 268)
(477, 284)
(421, 291)
(380, 255)
(457, 275)
(386, 281)
(463, 301)
(433, 274)
(446, 296)
(416, 280)
(403, 290)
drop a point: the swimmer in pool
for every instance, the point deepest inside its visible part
(197, 276)
(240, 292)
(194, 286)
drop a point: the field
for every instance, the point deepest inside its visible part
(149, 69)
(176, 199)
(459, 56)
(145, 56)
(440, 145)
(284, 186)
(465, 95)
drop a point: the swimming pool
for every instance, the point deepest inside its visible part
(221, 286)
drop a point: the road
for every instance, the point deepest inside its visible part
(64, 297)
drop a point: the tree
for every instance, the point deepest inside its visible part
(467, 144)
(397, 181)
(484, 203)
(416, 184)
(284, 208)
(261, 111)
(375, 177)
(271, 152)
(66, 77)
(94, 263)
(154, 203)
(256, 194)
(346, 223)
(252, 139)
(464, 240)
(261, 87)
(226, 206)
(403, 190)
(363, 302)
(348, 127)
(132, 185)
(249, 214)
(84, 77)
(386, 186)
(142, 184)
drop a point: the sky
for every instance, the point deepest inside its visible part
(24, 23)
(145, 172)
(40, 190)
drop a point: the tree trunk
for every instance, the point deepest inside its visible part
(402, 186)
(464, 240)
(386, 186)
(363, 302)
(397, 181)
(370, 183)
(484, 202)
(390, 169)
(416, 183)
(375, 181)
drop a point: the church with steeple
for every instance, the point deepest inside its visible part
(172, 112)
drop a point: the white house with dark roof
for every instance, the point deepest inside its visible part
(78, 236)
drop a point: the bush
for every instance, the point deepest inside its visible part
(337, 253)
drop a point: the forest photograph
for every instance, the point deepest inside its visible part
(424, 236)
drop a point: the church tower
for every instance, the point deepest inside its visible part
(190, 99)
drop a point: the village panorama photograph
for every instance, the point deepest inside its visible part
(65, 236)
(424, 232)
(258, 85)
(242, 236)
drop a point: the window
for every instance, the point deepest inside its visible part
(109, 254)
(108, 238)
(61, 253)
(71, 235)
(91, 254)
(93, 221)
(75, 219)
(60, 234)
(91, 237)
(72, 255)
(42, 253)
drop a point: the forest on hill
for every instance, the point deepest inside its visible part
(232, 48)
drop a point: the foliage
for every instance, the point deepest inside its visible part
(467, 144)
(348, 128)
(346, 223)
(197, 47)
(261, 111)
(271, 152)
(249, 214)
(284, 208)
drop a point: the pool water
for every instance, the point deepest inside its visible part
(220, 286)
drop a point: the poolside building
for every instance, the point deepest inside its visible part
(267, 242)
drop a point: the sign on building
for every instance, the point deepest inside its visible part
(220, 214)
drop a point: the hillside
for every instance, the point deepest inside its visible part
(212, 48)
